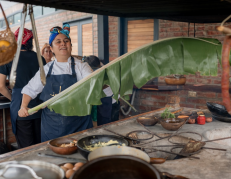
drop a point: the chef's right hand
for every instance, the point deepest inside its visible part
(23, 112)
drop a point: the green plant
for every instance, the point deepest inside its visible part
(167, 114)
(178, 55)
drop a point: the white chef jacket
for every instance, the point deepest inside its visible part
(35, 86)
(108, 93)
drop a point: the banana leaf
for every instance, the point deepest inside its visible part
(179, 55)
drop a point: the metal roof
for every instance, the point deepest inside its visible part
(198, 11)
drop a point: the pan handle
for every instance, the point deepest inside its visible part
(157, 160)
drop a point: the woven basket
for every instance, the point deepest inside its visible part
(7, 53)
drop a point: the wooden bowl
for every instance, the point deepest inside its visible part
(171, 124)
(175, 81)
(148, 121)
(55, 143)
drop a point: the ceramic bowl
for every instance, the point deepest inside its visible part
(175, 81)
(171, 124)
(148, 121)
(55, 143)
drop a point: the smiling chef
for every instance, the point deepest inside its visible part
(61, 73)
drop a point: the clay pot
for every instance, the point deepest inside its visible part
(192, 121)
(175, 81)
(209, 119)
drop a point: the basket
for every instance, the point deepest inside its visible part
(7, 53)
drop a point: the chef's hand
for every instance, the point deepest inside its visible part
(23, 112)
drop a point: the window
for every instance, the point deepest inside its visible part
(0, 24)
(48, 10)
(3, 23)
(37, 11)
(10, 20)
(17, 18)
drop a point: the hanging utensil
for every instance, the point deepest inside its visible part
(13, 73)
(42, 73)
(8, 50)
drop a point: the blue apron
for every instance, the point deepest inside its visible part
(55, 125)
(104, 111)
(15, 104)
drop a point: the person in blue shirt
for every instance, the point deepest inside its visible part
(27, 130)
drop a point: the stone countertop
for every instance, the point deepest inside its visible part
(212, 164)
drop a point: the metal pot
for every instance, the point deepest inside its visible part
(123, 150)
(114, 167)
(30, 169)
(90, 140)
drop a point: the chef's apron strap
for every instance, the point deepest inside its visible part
(15, 106)
(73, 67)
(50, 69)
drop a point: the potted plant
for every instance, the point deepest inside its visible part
(169, 120)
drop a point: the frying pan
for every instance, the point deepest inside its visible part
(90, 140)
(123, 150)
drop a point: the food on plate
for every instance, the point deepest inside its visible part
(4, 43)
(101, 144)
(209, 119)
(68, 166)
(71, 144)
(69, 173)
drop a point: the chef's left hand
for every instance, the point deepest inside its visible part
(23, 112)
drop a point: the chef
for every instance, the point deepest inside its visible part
(61, 73)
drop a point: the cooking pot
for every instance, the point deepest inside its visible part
(114, 167)
(91, 140)
(123, 150)
(30, 169)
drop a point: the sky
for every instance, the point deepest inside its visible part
(7, 4)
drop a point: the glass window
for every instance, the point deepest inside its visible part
(3, 23)
(10, 20)
(0, 24)
(17, 18)
(48, 10)
(37, 11)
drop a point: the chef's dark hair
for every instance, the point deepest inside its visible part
(93, 61)
(28, 46)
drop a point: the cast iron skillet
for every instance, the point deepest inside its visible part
(217, 109)
(89, 140)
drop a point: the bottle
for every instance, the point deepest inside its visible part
(201, 119)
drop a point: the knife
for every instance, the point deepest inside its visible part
(56, 156)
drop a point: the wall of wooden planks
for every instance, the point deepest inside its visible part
(140, 32)
(87, 39)
(74, 39)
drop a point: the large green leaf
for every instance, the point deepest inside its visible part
(159, 58)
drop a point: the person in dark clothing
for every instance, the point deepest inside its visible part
(27, 130)
(109, 110)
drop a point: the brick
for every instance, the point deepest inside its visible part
(204, 81)
(217, 82)
(187, 105)
(157, 98)
(190, 80)
(182, 93)
(206, 94)
(196, 100)
(146, 102)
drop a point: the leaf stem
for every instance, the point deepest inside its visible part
(128, 103)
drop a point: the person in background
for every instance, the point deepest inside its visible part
(46, 52)
(109, 110)
(61, 73)
(26, 129)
